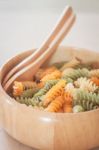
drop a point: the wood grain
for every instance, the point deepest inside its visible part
(67, 13)
(51, 131)
(34, 66)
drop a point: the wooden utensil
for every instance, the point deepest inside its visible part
(63, 18)
(25, 72)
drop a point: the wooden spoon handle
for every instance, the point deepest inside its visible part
(63, 18)
(36, 64)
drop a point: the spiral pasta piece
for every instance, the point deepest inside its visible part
(67, 71)
(49, 70)
(44, 90)
(78, 108)
(68, 102)
(54, 92)
(71, 64)
(29, 93)
(43, 72)
(68, 98)
(54, 75)
(55, 105)
(25, 100)
(95, 80)
(19, 87)
(86, 104)
(49, 84)
(94, 73)
(29, 84)
(86, 84)
(80, 95)
(29, 101)
(75, 73)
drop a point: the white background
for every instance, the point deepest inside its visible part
(24, 24)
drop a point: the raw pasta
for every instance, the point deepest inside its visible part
(43, 72)
(88, 96)
(71, 64)
(65, 87)
(54, 75)
(68, 102)
(86, 84)
(19, 87)
(86, 104)
(55, 105)
(54, 92)
(75, 73)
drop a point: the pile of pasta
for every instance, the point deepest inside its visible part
(64, 87)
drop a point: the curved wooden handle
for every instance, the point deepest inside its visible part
(63, 18)
(37, 63)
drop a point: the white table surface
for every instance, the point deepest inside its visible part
(23, 30)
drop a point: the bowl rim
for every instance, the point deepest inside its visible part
(13, 102)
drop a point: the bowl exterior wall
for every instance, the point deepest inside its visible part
(50, 131)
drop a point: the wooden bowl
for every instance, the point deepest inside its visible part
(49, 131)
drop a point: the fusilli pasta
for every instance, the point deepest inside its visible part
(54, 92)
(86, 104)
(75, 73)
(54, 75)
(71, 64)
(80, 95)
(29, 93)
(43, 72)
(43, 91)
(55, 105)
(67, 87)
(25, 100)
(68, 102)
(19, 87)
(86, 84)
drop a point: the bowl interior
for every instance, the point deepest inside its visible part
(62, 54)
(55, 131)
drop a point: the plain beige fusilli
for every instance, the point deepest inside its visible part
(74, 62)
(86, 84)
